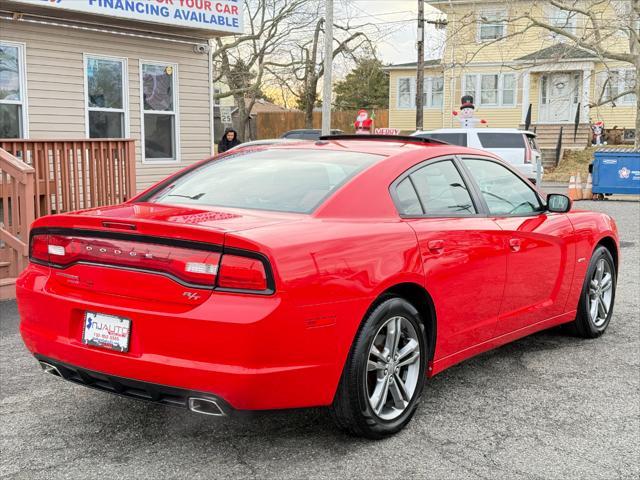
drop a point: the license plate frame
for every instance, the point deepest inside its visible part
(110, 332)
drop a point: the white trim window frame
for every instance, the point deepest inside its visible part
(563, 19)
(406, 95)
(495, 21)
(172, 112)
(473, 85)
(21, 101)
(430, 93)
(617, 81)
(123, 110)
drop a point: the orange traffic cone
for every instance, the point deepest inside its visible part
(571, 193)
(579, 195)
(588, 191)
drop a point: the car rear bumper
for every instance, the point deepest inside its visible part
(248, 352)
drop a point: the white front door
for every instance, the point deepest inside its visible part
(559, 97)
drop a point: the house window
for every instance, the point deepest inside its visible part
(13, 105)
(564, 20)
(491, 25)
(159, 109)
(508, 92)
(612, 84)
(436, 92)
(405, 96)
(432, 95)
(106, 101)
(491, 89)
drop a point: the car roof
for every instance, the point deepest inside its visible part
(385, 145)
(477, 130)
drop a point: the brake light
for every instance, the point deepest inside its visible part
(527, 149)
(242, 273)
(195, 267)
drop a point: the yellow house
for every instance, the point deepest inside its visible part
(515, 70)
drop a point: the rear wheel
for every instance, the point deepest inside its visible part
(598, 295)
(385, 373)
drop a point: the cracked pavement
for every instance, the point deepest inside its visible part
(548, 406)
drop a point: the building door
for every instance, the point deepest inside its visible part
(559, 97)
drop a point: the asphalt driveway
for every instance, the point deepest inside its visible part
(548, 406)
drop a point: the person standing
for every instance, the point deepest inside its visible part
(228, 140)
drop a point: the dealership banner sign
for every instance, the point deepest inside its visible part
(214, 15)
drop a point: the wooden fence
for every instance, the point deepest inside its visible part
(274, 124)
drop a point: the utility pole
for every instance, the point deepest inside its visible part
(328, 60)
(420, 68)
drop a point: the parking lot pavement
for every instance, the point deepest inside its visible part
(548, 406)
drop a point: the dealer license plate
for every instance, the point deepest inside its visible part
(106, 331)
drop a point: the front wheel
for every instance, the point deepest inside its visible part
(598, 294)
(384, 375)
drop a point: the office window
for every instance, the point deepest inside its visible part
(105, 83)
(491, 25)
(13, 103)
(491, 89)
(159, 109)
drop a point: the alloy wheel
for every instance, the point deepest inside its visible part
(393, 367)
(600, 293)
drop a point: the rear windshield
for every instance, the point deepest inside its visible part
(452, 138)
(501, 140)
(291, 180)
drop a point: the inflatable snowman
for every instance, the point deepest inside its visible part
(466, 114)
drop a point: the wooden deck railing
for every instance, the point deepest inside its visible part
(40, 177)
(17, 180)
(75, 174)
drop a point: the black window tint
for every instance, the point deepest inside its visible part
(284, 180)
(501, 140)
(504, 192)
(442, 190)
(452, 138)
(408, 203)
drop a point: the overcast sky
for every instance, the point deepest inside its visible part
(400, 17)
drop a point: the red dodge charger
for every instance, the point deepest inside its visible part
(342, 272)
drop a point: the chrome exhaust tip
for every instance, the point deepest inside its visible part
(206, 406)
(48, 368)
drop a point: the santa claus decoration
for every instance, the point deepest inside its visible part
(363, 123)
(597, 130)
(466, 114)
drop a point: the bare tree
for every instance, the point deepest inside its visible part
(241, 63)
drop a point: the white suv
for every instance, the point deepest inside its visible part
(517, 147)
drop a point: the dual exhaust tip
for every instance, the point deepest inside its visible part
(202, 405)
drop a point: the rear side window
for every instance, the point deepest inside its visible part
(283, 180)
(452, 138)
(440, 191)
(532, 143)
(501, 140)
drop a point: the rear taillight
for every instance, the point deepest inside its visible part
(194, 267)
(242, 273)
(191, 266)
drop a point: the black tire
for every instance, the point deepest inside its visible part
(584, 325)
(351, 408)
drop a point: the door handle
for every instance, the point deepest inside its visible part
(435, 246)
(515, 244)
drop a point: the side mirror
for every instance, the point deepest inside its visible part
(558, 203)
